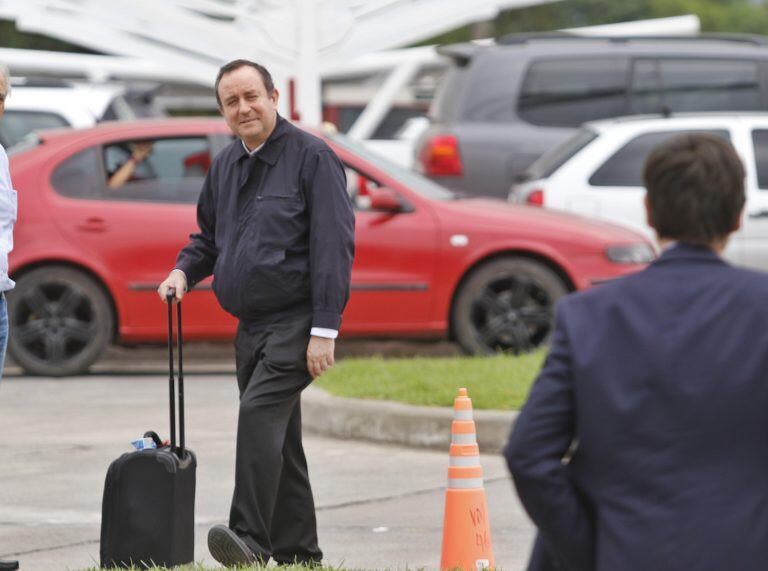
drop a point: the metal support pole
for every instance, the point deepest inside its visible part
(308, 88)
(378, 107)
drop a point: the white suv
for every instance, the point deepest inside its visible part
(598, 173)
(53, 104)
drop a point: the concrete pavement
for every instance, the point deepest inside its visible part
(379, 506)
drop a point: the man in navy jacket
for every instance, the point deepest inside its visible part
(277, 233)
(644, 442)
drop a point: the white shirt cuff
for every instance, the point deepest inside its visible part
(323, 332)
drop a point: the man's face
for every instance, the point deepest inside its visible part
(249, 110)
(3, 95)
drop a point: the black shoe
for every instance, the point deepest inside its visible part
(8, 565)
(227, 548)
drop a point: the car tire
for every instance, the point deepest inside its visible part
(506, 305)
(60, 321)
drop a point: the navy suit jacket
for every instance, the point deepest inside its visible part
(660, 382)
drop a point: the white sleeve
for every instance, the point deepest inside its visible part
(323, 332)
(8, 206)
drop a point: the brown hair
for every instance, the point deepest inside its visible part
(695, 185)
(237, 64)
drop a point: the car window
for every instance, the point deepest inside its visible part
(695, 85)
(415, 182)
(359, 187)
(80, 176)
(568, 92)
(646, 90)
(159, 170)
(448, 94)
(760, 142)
(30, 141)
(556, 157)
(18, 124)
(625, 167)
(173, 170)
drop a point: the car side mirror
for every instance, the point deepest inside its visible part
(385, 199)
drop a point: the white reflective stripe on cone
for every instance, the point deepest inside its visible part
(465, 483)
(465, 461)
(465, 414)
(463, 438)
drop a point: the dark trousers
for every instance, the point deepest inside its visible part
(541, 558)
(272, 507)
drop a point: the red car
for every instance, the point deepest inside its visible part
(88, 258)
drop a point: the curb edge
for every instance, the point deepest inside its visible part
(396, 423)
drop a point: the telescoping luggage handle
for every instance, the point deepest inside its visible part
(180, 450)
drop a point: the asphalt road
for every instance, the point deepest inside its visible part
(378, 506)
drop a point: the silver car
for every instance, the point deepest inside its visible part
(501, 106)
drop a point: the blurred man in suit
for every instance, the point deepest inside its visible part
(644, 442)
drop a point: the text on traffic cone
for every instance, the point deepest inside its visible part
(466, 530)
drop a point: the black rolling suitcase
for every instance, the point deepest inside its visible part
(148, 511)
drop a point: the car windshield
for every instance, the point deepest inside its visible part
(412, 180)
(553, 159)
(18, 124)
(30, 141)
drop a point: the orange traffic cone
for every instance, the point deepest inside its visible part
(466, 531)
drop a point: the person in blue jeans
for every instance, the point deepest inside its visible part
(7, 220)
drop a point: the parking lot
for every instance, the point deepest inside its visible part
(378, 506)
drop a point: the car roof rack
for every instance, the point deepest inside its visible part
(524, 37)
(461, 53)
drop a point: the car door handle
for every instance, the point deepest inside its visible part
(93, 224)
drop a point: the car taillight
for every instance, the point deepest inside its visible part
(535, 198)
(440, 156)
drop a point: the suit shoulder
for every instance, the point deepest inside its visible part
(741, 282)
(748, 280)
(598, 292)
(599, 298)
(308, 141)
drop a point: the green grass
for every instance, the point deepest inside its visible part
(501, 382)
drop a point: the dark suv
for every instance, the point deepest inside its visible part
(502, 105)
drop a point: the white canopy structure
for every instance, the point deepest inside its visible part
(687, 25)
(297, 39)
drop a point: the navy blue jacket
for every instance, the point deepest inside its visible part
(276, 230)
(662, 379)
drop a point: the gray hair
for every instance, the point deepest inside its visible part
(5, 72)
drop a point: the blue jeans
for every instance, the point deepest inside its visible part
(3, 331)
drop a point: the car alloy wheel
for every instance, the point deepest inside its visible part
(506, 305)
(60, 321)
